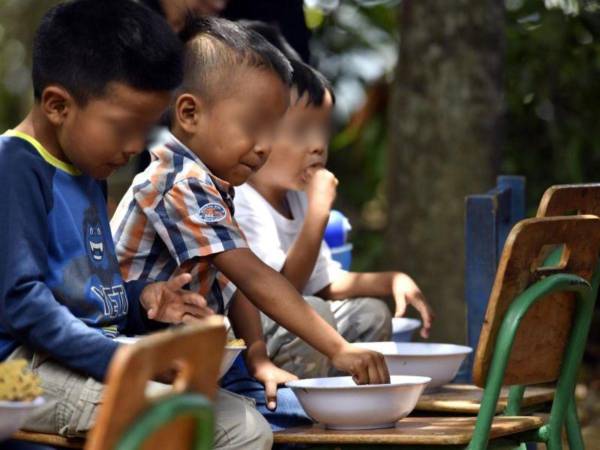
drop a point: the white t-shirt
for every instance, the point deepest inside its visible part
(270, 235)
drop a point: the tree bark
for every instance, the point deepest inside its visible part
(445, 121)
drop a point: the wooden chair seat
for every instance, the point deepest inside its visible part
(410, 431)
(48, 439)
(466, 399)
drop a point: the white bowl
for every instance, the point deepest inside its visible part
(403, 328)
(438, 361)
(14, 414)
(340, 404)
(228, 356)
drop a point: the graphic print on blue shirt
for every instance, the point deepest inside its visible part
(82, 261)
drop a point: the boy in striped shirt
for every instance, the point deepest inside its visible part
(178, 214)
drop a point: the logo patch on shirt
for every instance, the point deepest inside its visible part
(212, 212)
(93, 235)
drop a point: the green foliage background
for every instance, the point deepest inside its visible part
(552, 97)
(552, 110)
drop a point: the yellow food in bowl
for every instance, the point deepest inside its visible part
(17, 383)
(236, 343)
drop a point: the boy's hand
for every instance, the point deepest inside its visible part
(167, 301)
(271, 376)
(365, 366)
(406, 292)
(321, 190)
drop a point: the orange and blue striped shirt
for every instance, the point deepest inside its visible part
(175, 215)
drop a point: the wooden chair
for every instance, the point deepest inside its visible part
(534, 331)
(181, 419)
(563, 200)
(570, 199)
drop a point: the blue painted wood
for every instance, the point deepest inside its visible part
(488, 220)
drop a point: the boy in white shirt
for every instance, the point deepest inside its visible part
(283, 211)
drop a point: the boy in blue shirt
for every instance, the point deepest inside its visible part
(103, 73)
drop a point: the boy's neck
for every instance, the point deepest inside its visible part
(187, 140)
(38, 127)
(275, 196)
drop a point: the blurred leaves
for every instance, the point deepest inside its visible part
(552, 83)
(552, 87)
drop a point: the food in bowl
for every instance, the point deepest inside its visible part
(19, 394)
(340, 404)
(17, 383)
(438, 361)
(233, 343)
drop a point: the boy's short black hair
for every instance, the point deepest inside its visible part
(83, 45)
(154, 5)
(311, 82)
(305, 79)
(214, 46)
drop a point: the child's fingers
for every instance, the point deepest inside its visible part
(378, 373)
(271, 394)
(197, 311)
(188, 319)
(426, 315)
(178, 281)
(360, 374)
(192, 298)
(383, 370)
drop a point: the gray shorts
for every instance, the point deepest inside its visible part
(72, 402)
(357, 319)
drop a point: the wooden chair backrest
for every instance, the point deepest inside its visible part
(194, 353)
(570, 199)
(538, 348)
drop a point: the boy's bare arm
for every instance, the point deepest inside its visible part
(245, 320)
(382, 284)
(277, 298)
(302, 255)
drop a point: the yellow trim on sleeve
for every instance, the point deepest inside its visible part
(48, 157)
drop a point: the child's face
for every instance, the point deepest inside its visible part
(300, 145)
(232, 135)
(102, 135)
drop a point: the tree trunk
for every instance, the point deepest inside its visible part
(444, 142)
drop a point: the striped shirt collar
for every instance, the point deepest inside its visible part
(165, 138)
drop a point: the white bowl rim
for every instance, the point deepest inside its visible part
(395, 381)
(404, 324)
(9, 404)
(450, 349)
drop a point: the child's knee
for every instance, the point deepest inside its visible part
(238, 425)
(379, 317)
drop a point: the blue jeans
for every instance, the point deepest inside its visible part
(289, 413)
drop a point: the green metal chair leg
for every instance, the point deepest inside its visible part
(573, 429)
(194, 405)
(515, 397)
(504, 342)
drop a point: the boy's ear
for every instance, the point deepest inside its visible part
(56, 102)
(188, 109)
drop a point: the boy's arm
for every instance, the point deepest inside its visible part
(245, 320)
(382, 284)
(28, 309)
(302, 255)
(275, 296)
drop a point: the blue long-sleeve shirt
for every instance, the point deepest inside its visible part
(61, 291)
